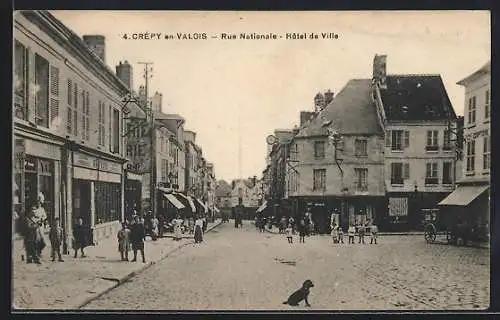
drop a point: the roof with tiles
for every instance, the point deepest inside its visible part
(412, 97)
(352, 111)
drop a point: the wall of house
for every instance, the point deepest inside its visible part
(70, 69)
(479, 129)
(416, 156)
(307, 162)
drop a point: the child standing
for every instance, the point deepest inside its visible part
(374, 231)
(361, 233)
(351, 232)
(124, 242)
(288, 232)
(335, 233)
(56, 239)
(302, 231)
(341, 234)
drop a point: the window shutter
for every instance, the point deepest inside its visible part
(407, 139)
(388, 138)
(54, 97)
(406, 171)
(87, 113)
(31, 86)
(70, 92)
(110, 129)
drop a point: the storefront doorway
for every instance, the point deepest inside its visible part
(81, 201)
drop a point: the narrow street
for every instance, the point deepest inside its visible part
(242, 269)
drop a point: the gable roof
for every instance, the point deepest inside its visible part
(416, 97)
(485, 69)
(352, 112)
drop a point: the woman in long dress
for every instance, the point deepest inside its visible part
(198, 230)
(178, 228)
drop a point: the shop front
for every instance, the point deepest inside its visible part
(97, 195)
(37, 174)
(133, 193)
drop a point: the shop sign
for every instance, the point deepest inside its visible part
(19, 147)
(86, 161)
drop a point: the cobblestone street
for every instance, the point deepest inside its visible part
(242, 269)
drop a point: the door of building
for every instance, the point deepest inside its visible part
(81, 202)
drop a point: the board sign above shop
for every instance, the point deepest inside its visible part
(91, 162)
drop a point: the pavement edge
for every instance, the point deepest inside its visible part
(132, 274)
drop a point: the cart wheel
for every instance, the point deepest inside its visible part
(449, 237)
(430, 235)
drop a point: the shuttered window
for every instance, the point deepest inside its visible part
(54, 97)
(69, 119)
(41, 90)
(101, 121)
(20, 81)
(75, 109)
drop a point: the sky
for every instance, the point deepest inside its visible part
(234, 93)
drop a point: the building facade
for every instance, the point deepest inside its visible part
(68, 121)
(347, 176)
(471, 199)
(420, 158)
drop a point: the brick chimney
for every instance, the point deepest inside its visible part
(380, 70)
(328, 97)
(319, 102)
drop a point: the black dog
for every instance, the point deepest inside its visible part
(301, 294)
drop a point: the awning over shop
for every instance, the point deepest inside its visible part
(190, 201)
(463, 195)
(202, 204)
(262, 207)
(173, 200)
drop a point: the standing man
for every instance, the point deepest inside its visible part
(79, 237)
(137, 234)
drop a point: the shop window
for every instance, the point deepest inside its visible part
(108, 202)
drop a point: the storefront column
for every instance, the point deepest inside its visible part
(57, 189)
(92, 204)
(122, 192)
(68, 198)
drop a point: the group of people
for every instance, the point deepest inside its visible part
(369, 229)
(197, 226)
(31, 227)
(132, 236)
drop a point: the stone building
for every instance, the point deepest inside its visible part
(348, 177)
(420, 158)
(68, 122)
(471, 199)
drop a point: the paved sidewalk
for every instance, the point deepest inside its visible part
(74, 282)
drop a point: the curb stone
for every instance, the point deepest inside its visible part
(132, 274)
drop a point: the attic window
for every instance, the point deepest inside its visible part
(419, 85)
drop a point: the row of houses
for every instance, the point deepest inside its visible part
(241, 192)
(79, 143)
(381, 149)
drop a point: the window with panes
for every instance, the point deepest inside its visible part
(319, 149)
(360, 148)
(85, 115)
(447, 173)
(447, 140)
(319, 179)
(471, 154)
(431, 173)
(398, 140)
(486, 153)
(361, 182)
(472, 110)
(101, 123)
(487, 104)
(20, 81)
(432, 140)
(399, 172)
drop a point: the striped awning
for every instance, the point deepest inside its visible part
(189, 200)
(174, 201)
(202, 204)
